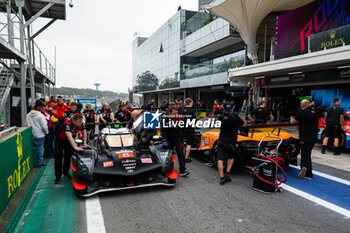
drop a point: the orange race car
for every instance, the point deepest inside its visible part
(248, 141)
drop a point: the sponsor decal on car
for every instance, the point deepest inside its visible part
(108, 164)
(126, 155)
(146, 160)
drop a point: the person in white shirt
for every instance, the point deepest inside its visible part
(37, 121)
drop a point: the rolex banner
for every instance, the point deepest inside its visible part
(330, 39)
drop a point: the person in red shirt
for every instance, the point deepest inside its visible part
(61, 108)
(52, 99)
(216, 105)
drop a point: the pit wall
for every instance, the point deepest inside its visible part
(17, 159)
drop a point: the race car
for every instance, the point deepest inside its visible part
(247, 143)
(114, 161)
(344, 141)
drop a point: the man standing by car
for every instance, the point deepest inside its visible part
(123, 115)
(307, 118)
(173, 137)
(65, 145)
(334, 118)
(188, 114)
(227, 142)
(106, 115)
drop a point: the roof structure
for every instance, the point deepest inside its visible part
(247, 15)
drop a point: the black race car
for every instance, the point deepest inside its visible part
(115, 161)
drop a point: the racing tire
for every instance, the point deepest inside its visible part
(214, 155)
(342, 140)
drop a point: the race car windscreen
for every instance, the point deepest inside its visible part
(138, 123)
(119, 141)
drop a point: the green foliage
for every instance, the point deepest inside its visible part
(147, 81)
(87, 93)
(169, 83)
(210, 19)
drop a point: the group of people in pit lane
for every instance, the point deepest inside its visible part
(55, 121)
(55, 125)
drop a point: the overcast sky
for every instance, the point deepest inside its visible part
(94, 43)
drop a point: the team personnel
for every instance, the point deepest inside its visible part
(227, 142)
(61, 108)
(188, 114)
(173, 137)
(216, 105)
(65, 145)
(334, 118)
(132, 120)
(308, 132)
(128, 104)
(90, 118)
(106, 115)
(123, 115)
(79, 106)
(73, 110)
(260, 115)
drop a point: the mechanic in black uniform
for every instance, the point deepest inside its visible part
(123, 115)
(90, 118)
(307, 118)
(227, 142)
(189, 115)
(73, 110)
(174, 137)
(65, 145)
(106, 115)
(334, 118)
(260, 115)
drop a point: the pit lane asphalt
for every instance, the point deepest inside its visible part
(199, 204)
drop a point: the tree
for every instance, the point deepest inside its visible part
(169, 83)
(147, 81)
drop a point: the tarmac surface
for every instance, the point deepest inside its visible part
(198, 203)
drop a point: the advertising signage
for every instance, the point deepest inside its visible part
(310, 77)
(294, 27)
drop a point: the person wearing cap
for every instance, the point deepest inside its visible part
(37, 121)
(227, 142)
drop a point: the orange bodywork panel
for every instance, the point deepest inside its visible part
(209, 138)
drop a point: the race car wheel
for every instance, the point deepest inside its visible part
(214, 155)
(342, 140)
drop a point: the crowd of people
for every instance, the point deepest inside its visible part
(57, 122)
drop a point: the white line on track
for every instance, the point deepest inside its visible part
(94, 217)
(340, 180)
(317, 200)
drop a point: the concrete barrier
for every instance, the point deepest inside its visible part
(17, 159)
